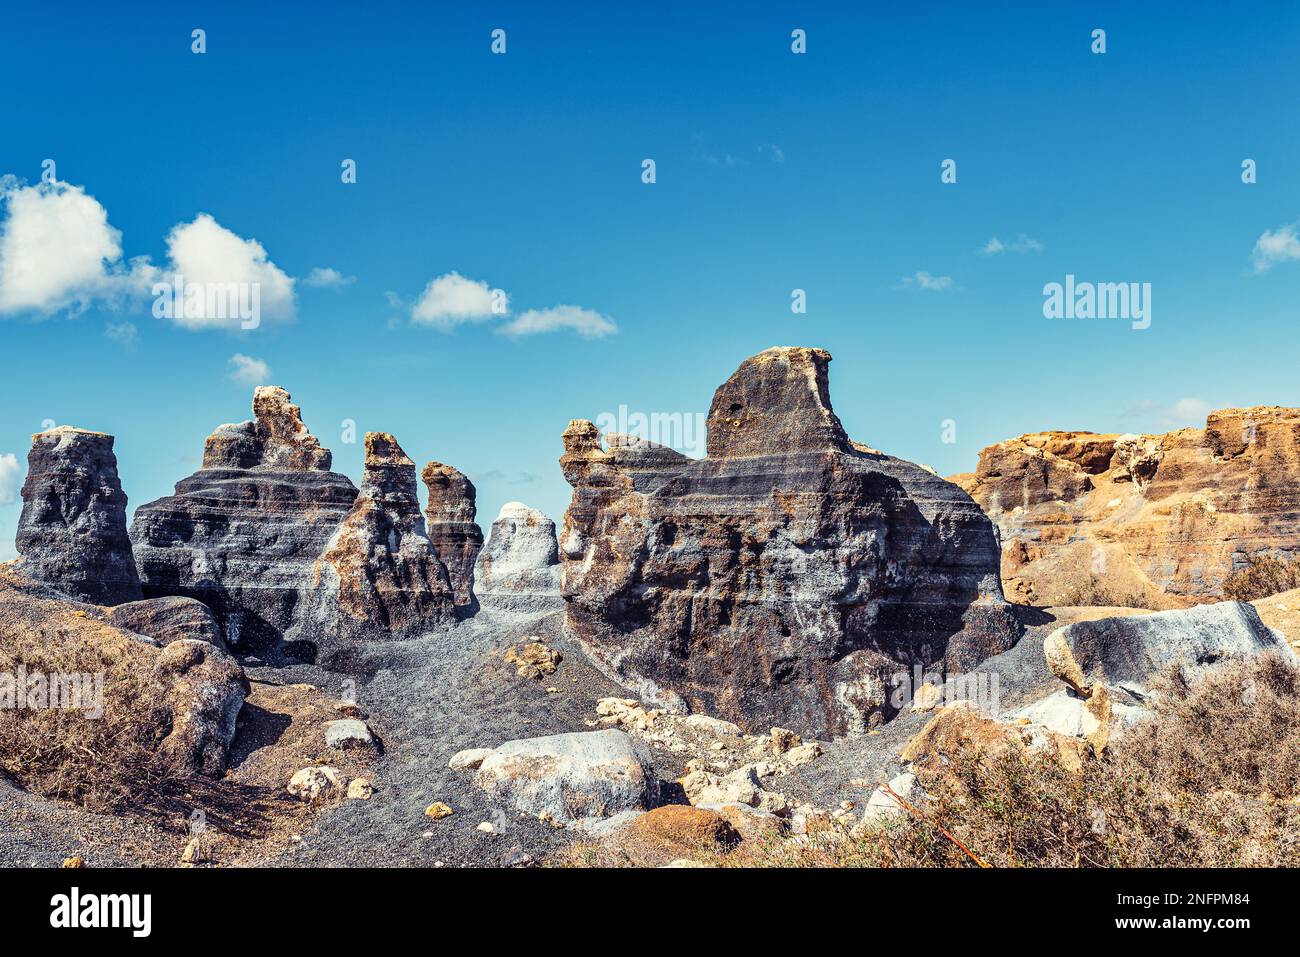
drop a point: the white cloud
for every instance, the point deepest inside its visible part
(1275, 246)
(775, 152)
(125, 334)
(585, 322)
(10, 473)
(58, 251)
(451, 299)
(1186, 411)
(924, 280)
(1021, 244)
(325, 277)
(206, 253)
(249, 371)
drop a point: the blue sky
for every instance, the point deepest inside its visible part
(522, 172)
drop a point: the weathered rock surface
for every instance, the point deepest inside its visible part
(1128, 652)
(379, 576)
(519, 567)
(1160, 520)
(785, 578)
(169, 619)
(454, 533)
(569, 778)
(72, 531)
(207, 689)
(243, 533)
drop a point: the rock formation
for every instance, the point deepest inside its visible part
(455, 535)
(520, 565)
(1153, 520)
(206, 689)
(786, 578)
(72, 532)
(379, 575)
(243, 533)
(168, 619)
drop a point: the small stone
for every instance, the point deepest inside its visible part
(199, 850)
(348, 733)
(468, 760)
(783, 740)
(360, 789)
(438, 810)
(487, 828)
(927, 698)
(533, 660)
(310, 784)
(804, 753)
(74, 862)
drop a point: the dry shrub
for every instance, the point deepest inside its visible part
(1262, 575)
(105, 763)
(1213, 780)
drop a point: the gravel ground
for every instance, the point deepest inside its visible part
(428, 698)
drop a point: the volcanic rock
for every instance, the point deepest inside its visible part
(519, 567)
(786, 578)
(455, 536)
(243, 533)
(571, 777)
(72, 532)
(379, 576)
(1157, 521)
(207, 689)
(168, 619)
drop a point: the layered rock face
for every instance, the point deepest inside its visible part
(789, 577)
(72, 532)
(1153, 520)
(243, 533)
(520, 565)
(379, 574)
(169, 619)
(452, 530)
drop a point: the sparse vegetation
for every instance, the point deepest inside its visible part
(1095, 592)
(1176, 791)
(1263, 575)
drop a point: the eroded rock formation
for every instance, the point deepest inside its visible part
(72, 532)
(243, 533)
(1153, 520)
(455, 535)
(788, 577)
(519, 567)
(379, 575)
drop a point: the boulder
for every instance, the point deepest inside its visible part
(571, 777)
(168, 619)
(1129, 651)
(455, 536)
(519, 567)
(72, 531)
(1156, 521)
(787, 578)
(379, 576)
(207, 688)
(243, 534)
(882, 807)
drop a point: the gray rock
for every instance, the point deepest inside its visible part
(243, 534)
(519, 567)
(787, 577)
(455, 536)
(348, 733)
(1128, 652)
(168, 619)
(314, 783)
(206, 691)
(882, 807)
(571, 777)
(469, 760)
(72, 532)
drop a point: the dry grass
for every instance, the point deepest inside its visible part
(1212, 781)
(103, 763)
(1263, 575)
